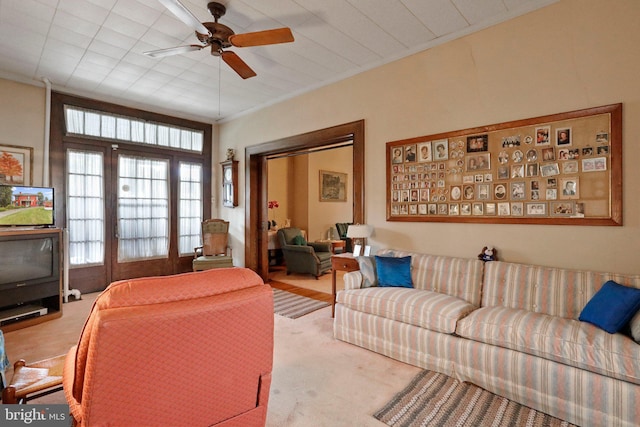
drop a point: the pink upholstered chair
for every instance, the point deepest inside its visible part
(192, 349)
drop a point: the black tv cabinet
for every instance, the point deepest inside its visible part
(23, 307)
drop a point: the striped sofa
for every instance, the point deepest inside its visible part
(510, 328)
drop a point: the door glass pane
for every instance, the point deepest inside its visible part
(85, 208)
(189, 207)
(143, 208)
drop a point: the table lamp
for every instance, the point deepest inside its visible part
(359, 232)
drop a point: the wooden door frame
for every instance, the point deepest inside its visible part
(255, 194)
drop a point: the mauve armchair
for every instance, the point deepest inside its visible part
(193, 349)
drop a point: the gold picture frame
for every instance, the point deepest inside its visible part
(16, 165)
(333, 186)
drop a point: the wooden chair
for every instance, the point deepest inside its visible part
(33, 380)
(215, 251)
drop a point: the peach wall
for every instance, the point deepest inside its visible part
(571, 55)
(22, 112)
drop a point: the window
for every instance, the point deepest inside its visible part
(190, 207)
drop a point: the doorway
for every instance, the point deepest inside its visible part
(256, 200)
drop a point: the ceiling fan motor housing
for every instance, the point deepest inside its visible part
(219, 35)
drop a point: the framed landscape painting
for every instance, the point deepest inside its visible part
(333, 186)
(15, 165)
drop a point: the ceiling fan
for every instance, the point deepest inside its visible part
(220, 37)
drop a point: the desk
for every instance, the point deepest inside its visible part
(343, 262)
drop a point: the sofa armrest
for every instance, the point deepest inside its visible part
(298, 249)
(68, 378)
(352, 280)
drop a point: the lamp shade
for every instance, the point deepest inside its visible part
(359, 231)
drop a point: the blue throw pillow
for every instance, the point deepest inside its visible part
(394, 271)
(612, 307)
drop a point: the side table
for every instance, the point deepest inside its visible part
(343, 262)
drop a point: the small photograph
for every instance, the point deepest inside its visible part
(552, 182)
(579, 209)
(532, 169)
(536, 209)
(517, 156)
(517, 209)
(504, 209)
(453, 209)
(432, 208)
(456, 192)
(397, 156)
(503, 172)
(405, 195)
(478, 177)
(415, 196)
(551, 194)
(413, 209)
(422, 209)
(503, 157)
(489, 208)
(602, 137)
(410, 153)
(528, 139)
(483, 191)
(597, 164)
(535, 194)
(548, 154)
(424, 195)
(517, 190)
(587, 151)
(535, 185)
(488, 177)
(569, 188)
(395, 196)
(440, 149)
(500, 191)
(443, 209)
(563, 154)
(574, 153)
(511, 141)
(478, 162)
(517, 171)
(424, 152)
(395, 210)
(543, 135)
(478, 208)
(477, 143)
(465, 208)
(404, 210)
(468, 179)
(563, 137)
(570, 167)
(562, 209)
(549, 169)
(603, 150)
(532, 155)
(468, 192)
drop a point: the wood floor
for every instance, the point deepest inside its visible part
(321, 296)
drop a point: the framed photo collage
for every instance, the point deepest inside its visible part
(558, 169)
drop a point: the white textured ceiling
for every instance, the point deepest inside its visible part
(95, 47)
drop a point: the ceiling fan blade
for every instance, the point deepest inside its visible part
(161, 53)
(185, 15)
(238, 65)
(260, 38)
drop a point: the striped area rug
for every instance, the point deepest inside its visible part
(293, 306)
(433, 399)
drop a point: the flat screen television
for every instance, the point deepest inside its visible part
(26, 206)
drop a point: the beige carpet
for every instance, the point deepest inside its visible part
(433, 399)
(317, 380)
(307, 281)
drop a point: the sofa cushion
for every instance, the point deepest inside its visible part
(394, 271)
(567, 341)
(367, 266)
(634, 326)
(431, 310)
(612, 307)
